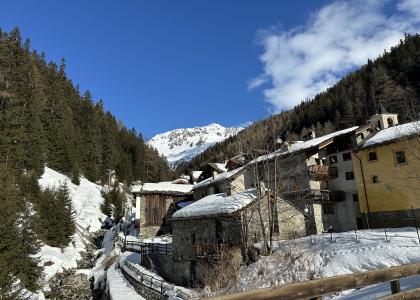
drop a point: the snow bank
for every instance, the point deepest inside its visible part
(98, 272)
(86, 199)
(118, 287)
(299, 260)
(216, 204)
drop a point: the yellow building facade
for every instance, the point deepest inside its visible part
(387, 173)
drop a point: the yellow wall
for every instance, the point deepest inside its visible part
(399, 185)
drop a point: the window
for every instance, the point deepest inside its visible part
(347, 156)
(375, 179)
(400, 157)
(328, 208)
(372, 156)
(355, 197)
(379, 124)
(193, 239)
(333, 159)
(390, 122)
(350, 175)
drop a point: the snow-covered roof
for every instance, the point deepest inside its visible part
(217, 204)
(393, 133)
(218, 166)
(181, 181)
(196, 174)
(305, 145)
(135, 188)
(218, 178)
(165, 187)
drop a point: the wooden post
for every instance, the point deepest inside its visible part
(395, 286)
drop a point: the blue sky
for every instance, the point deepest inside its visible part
(160, 65)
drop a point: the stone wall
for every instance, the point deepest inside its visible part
(189, 232)
(177, 272)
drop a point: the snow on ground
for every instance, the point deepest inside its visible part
(118, 287)
(86, 199)
(172, 290)
(98, 272)
(378, 290)
(299, 260)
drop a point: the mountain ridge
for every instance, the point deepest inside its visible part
(183, 144)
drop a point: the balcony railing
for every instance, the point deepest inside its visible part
(315, 195)
(327, 196)
(320, 172)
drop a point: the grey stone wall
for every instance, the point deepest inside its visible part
(177, 272)
(204, 231)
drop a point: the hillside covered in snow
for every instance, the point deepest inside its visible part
(182, 145)
(86, 199)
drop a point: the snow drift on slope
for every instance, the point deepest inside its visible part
(86, 199)
(301, 260)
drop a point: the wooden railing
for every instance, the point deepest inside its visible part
(320, 287)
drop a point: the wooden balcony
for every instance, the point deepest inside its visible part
(320, 172)
(320, 196)
(324, 196)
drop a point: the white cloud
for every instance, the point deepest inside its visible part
(341, 36)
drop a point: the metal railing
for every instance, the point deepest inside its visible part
(156, 284)
(146, 248)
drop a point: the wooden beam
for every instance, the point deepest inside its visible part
(320, 287)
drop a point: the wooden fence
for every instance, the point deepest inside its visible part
(319, 287)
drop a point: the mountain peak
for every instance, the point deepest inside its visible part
(183, 144)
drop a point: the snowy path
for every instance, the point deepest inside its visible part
(118, 287)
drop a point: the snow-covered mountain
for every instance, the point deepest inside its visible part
(183, 144)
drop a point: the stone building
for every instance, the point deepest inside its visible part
(299, 175)
(230, 182)
(202, 231)
(156, 202)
